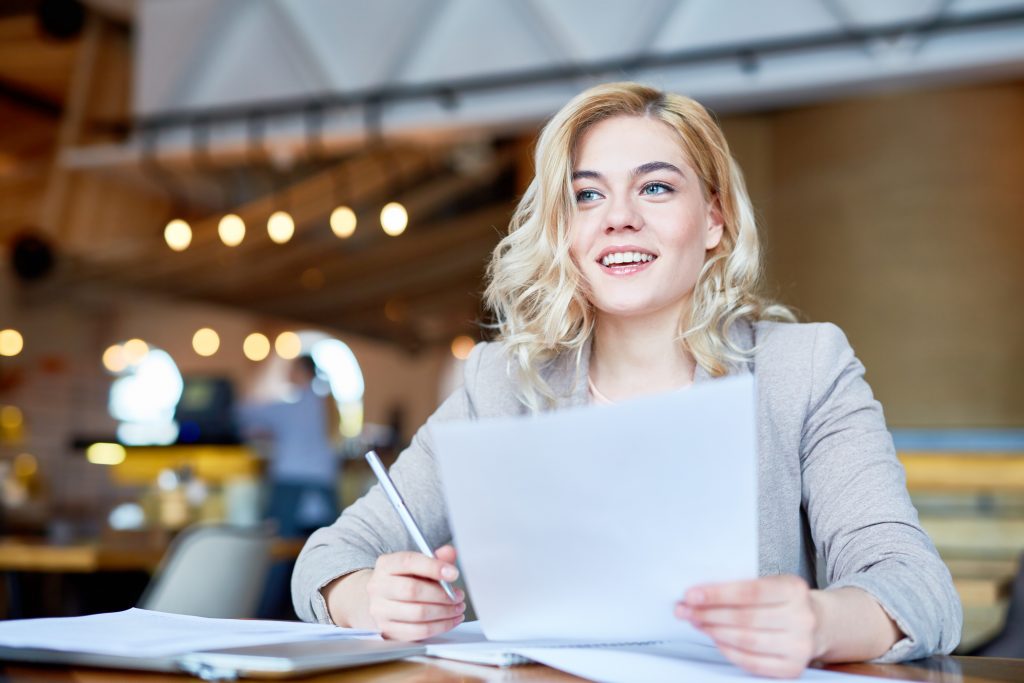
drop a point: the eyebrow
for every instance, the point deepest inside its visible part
(640, 170)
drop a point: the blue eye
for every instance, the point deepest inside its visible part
(587, 195)
(655, 189)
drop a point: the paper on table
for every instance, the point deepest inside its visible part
(589, 524)
(144, 633)
(622, 663)
(467, 643)
(658, 665)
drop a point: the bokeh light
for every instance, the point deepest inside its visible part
(343, 222)
(231, 229)
(462, 346)
(11, 418)
(143, 399)
(205, 341)
(256, 346)
(280, 227)
(105, 454)
(114, 359)
(134, 351)
(288, 345)
(11, 342)
(25, 465)
(394, 218)
(178, 235)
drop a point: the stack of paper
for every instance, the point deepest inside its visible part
(143, 633)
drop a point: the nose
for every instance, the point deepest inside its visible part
(622, 214)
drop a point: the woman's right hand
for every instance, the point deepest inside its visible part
(402, 595)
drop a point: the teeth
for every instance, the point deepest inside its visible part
(626, 257)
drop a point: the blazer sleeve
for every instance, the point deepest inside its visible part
(370, 527)
(862, 521)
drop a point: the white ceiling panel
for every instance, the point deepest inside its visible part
(201, 55)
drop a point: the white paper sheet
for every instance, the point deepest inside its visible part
(589, 524)
(649, 663)
(658, 665)
(144, 633)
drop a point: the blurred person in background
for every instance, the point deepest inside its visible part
(302, 471)
(303, 468)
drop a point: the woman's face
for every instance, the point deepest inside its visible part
(643, 225)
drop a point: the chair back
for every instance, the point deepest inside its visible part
(212, 571)
(1009, 641)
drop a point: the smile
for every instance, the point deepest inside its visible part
(626, 257)
(625, 261)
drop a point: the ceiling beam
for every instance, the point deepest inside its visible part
(26, 99)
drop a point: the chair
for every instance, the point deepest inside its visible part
(1009, 642)
(212, 571)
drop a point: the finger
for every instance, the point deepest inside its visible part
(769, 590)
(417, 564)
(763, 665)
(446, 553)
(772, 643)
(399, 630)
(412, 589)
(417, 612)
(766, 618)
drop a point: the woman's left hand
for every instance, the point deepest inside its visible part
(768, 626)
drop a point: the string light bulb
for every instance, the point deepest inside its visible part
(231, 229)
(343, 222)
(256, 347)
(114, 360)
(178, 235)
(280, 227)
(288, 345)
(205, 341)
(11, 342)
(394, 219)
(134, 351)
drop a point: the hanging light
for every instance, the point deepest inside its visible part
(134, 351)
(343, 222)
(178, 235)
(11, 342)
(205, 341)
(288, 345)
(231, 229)
(393, 219)
(114, 359)
(256, 346)
(280, 226)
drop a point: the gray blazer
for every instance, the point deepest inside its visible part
(832, 501)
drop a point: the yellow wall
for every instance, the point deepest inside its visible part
(900, 217)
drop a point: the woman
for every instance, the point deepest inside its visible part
(630, 268)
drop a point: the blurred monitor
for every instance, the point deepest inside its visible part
(206, 411)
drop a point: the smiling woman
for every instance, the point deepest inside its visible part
(615, 158)
(631, 267)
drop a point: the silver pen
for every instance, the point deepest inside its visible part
(410, 524)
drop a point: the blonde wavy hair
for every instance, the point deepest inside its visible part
(538, 294)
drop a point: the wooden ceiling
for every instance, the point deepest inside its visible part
(418, 289)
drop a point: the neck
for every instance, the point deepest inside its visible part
(636, 356)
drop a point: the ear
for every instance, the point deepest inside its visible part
(715, 225)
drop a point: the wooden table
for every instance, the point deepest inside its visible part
(22, 554)
(422, 670)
